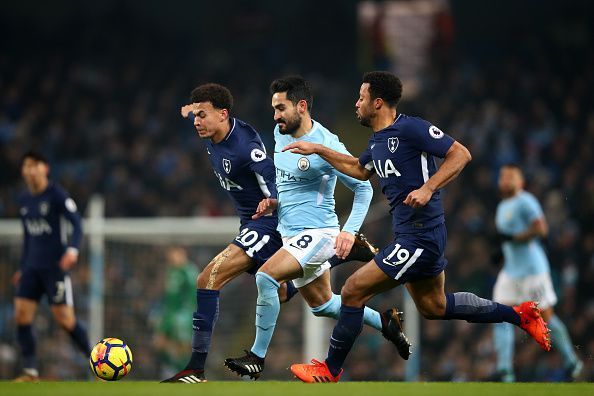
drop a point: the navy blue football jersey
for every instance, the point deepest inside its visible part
(45, 235)
(242, 167)
(403, 156)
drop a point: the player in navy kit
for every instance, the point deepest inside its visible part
(402, 153)
(46, 260)
(241, 166)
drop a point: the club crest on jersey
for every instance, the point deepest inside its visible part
(227, 165)
(303, 164)
(393, 144)
(43, 208)
(435, 132)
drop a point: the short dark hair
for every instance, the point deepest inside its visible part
(219, 96)
(296, 87)
(384, 85)
(35, 156)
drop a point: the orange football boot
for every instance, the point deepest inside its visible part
(315, 372)
(531, 322)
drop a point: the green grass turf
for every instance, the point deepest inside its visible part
(273, 388)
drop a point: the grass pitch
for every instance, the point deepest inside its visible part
(273, 388)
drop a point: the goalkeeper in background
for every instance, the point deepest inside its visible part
(172, 338)
(525, 274)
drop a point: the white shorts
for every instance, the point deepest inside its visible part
(514, 291)
(312, 249)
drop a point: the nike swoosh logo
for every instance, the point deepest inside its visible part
(261, 305)
(334, 339)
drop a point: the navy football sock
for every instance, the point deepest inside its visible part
(26, 341)
(291, 290)
(469, 307)
(350, 323)
(80, 338)
(335, 260)
(204, 321)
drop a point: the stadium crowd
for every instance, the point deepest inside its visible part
(112, 126)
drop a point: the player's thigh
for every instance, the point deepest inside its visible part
(64, 315)
(312, 248)
(24, 310)
(366, 282)
(227, 265)
(282, 266)
(318, 291)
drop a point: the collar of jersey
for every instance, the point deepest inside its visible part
(315, 127)
(230, 132)
(390, 126)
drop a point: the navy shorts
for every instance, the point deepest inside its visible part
(412, 257)
(53, 282)
(260, 240)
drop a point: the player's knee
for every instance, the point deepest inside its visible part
(210, 278)
(65, 320)
(266, 285)
(21, 318)
(350, 295)
(202, 279)
(432, 309)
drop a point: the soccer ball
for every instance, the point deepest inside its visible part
(111, 359)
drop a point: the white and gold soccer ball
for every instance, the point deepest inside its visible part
(111, 359)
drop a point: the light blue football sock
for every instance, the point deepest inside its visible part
(503, 336)
(267, 309)
(331, 309)
(562, 341)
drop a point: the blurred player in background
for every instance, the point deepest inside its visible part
(172, 336)
(402, 153)
(47, 259)
(309, 226)
(241, 166)
(525, 274)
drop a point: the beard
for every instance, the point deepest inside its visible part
(364, 120)
(291, 125)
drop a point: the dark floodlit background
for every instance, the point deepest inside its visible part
(97, 86)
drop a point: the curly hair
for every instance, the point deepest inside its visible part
(219, 96)
(384, 85)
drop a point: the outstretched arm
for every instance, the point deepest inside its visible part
(455, 160)
(343, 163)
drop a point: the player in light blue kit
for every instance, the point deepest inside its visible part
(308, 225)
(525, 274)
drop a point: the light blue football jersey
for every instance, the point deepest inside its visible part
(306, 184)
(514, 215)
